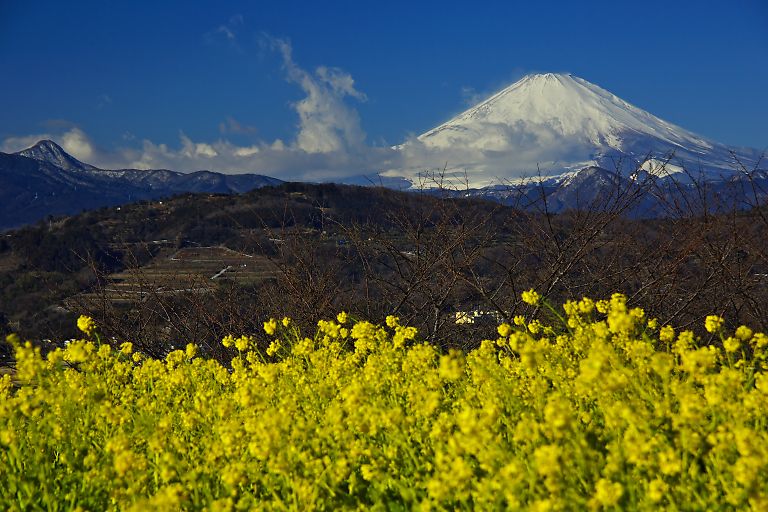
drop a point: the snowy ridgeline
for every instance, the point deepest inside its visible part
(558, 124)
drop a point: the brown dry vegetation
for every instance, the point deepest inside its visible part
(152, 273)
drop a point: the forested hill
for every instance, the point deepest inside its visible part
(200, 266)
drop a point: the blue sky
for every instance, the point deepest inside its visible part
(127, 78)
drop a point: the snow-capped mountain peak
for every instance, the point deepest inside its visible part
(50, 152)
(561, 123)
(572, 107)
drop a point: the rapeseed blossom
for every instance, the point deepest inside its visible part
(531, 297)
(274, 347)
(602, 409)
(713, 323)
(731, 344)
(743, 333)
(86, 325)
(608, 493)
(667, 334)
(270, 326)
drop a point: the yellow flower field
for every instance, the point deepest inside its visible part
(605, 410)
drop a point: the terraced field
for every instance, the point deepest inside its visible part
(190, 269)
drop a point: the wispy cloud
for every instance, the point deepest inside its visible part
(231, 126)
(227, 32)
(326, 122)
(329, 142)
(103, 100)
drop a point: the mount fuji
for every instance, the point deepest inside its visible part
(556, 124)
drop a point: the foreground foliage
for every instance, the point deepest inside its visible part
(607, 410)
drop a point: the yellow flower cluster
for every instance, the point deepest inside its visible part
(607, 410)
(713, 323)
(86, 325)
(531, 297)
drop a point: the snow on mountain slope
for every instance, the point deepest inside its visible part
(45, 180)
(49, 151)
(559, 123)
(156, 180)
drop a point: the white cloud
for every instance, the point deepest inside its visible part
(74, 141)
(272, 158)
(17, 143)
(247, 151)
(78, 144)
(413, 159)
(329, 142)
(192, 149)
(326, 122)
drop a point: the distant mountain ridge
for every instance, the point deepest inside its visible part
(592, 147)
(45, 180)
(158, 179)
(640, 195)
